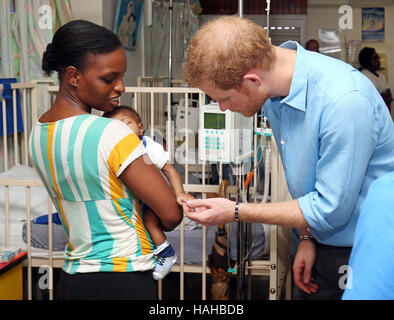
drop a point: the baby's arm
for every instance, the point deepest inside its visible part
(176, 183)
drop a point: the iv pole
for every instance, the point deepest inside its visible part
(170, 46)
(242, 226)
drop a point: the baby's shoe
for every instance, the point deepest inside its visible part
(166, 259)
(163, 266)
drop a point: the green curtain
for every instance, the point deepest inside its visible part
(24, 38)
(185, 24)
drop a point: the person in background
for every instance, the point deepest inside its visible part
(370, 275)
(93, 169)
(370, 67)
(333, 132)
(312, 45)
(160, 158)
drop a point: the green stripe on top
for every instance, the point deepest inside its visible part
(129, 267)
(127, 209)
(35, 160)
(90, 146)
(102, 241)
(77, 123)
(63, 184)
(56, 204)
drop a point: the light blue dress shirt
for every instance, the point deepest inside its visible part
(335, 137)
(371, 272)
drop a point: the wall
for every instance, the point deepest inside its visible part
(324, 14)
(103, 12)
(321, 14)
(87, 10)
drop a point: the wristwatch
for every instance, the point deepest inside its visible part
(306, 237)
(236, 211)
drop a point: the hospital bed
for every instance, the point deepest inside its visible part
(24, 198)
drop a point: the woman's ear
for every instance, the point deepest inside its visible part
(71, 75)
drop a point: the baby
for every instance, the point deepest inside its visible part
(166, 254)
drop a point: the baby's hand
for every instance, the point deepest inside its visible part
(183, 197)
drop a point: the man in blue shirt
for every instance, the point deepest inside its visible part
(333, 131)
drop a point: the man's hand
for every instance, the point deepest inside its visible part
(210, 211)
(302, 266)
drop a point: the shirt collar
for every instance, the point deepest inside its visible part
(297, 93)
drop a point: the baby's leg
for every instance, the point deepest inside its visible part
(151, 222)
(165, 252)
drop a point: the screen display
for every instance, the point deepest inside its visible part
(214, 120)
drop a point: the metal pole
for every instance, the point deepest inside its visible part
(268, 17)
(241, 225)
(170, 48)
(240, 242)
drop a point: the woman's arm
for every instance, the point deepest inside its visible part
(146, 182)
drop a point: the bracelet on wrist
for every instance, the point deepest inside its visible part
(306, 237)
(236, 211)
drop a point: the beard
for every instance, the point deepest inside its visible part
(254, 102)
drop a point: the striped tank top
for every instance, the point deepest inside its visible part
(79, 160)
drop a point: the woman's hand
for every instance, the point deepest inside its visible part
(210, 211)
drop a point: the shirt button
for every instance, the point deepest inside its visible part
(282, 142)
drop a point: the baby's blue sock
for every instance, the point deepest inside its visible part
(164, 250)
(167, 252)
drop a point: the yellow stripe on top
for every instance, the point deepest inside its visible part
(50, 137)
(142, 232)
(65, 222)
(115, 160)
(120, 264)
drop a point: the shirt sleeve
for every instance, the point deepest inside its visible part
(156, 152)
(123, 147)
(347, 140)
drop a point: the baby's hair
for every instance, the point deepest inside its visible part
(122, 109)
(73, 42)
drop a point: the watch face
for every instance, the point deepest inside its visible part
(236, 216)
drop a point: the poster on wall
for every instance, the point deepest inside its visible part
(127, 22)
(373, 24)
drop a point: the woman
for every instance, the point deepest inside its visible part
(94, 171)
(370, 67)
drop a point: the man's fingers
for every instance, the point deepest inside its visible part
(197, 203)
(307, 276)
(297, 271)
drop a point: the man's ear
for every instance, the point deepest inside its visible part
(72, 76)
(251, 80)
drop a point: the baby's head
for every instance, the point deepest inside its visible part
(128, 116)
